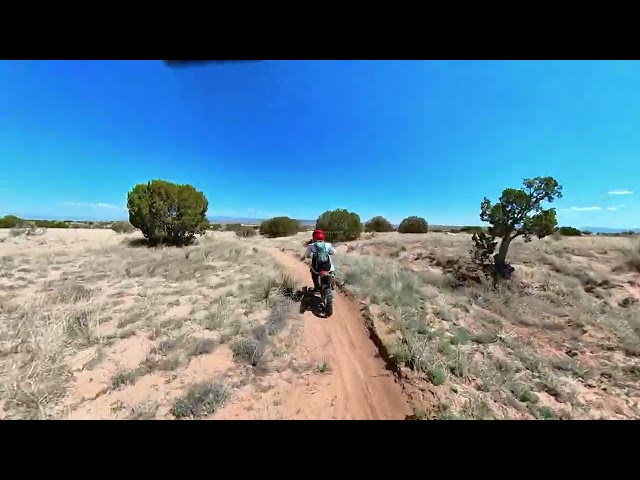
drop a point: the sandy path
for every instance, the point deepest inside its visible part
(359, 386)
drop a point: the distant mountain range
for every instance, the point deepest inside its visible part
(608, 230)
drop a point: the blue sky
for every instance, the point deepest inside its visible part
(296, 138)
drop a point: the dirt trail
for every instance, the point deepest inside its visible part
(359, 385)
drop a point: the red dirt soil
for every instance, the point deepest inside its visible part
(359, 385)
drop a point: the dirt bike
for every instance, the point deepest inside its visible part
(326, 292)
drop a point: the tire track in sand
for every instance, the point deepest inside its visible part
(359, 385)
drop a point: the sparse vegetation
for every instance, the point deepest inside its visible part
(27, 229)
(122, 227)
(108, 318)
(232, 227)
(471, 229)
(413, 225)
(11, 221)
(167, 213)
(632, 256)
(569, 232)
(246, 232)
(467, 342)
(201, 400)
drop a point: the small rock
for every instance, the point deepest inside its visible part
(571, 353)
(627, 302)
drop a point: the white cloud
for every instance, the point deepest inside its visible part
(94, 205)
(613, 209)
(621, 192)
(581, 209)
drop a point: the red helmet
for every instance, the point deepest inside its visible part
(318, 235)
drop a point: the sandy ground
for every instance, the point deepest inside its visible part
(143, 344)
(94, 326)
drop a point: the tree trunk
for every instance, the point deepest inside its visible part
(500, 257)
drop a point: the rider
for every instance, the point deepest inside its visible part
(320, 253)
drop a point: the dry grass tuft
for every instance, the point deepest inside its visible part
(201, 400)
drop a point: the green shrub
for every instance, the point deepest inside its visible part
(246, 232)
(168, 213)
(471, 229)
(279, 227)
(378, 224)
(10, 221)
(413, 225)
(215, 226)
(122, 227)
(340, 225)
(569, 232)
(587, 232)
(232, 227)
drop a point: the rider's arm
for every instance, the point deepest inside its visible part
(332, 251)
(309, 251)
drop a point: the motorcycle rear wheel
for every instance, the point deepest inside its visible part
(328, 308)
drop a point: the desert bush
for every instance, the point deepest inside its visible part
(50, 224)
(10, 221)
(168, 213)
(378, 224)
(483, 247)
(246, 232)
(569, 232)
(27, 229)
(279, 227)
(413, 225)
(122, 227)
(471, 229)
(215, 226)
(232, 227)
(340, 225)
(632, 257)
(587, 232)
